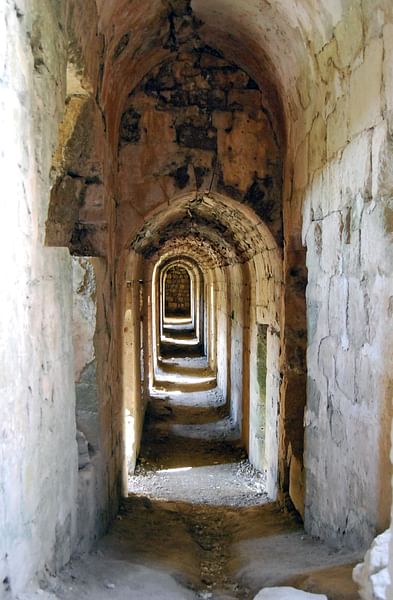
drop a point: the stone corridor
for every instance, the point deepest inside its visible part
(197, 522)
(196, 293)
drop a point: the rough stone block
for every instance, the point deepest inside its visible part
(87, 507)
(382, 162)
(338, 301)
(337, 127)
(317, 196)
(326, 362)
(303, 88)
(83, 451)
(84, 314)
(216, 99)
(351, 255)
(287, 593)
(327, 58)
(244, 98)
(228, 78)
(296, 484)
(345, 372)
(222, 120)
(349, 36)
(307, 214)
(37, 595)
(313, 399)
(376, 256)
(365, 376)
(317, 310)
(375, 14)
(129, 126)
(241, 152)
(209, 61)
(300, 176)
(355, 173)
(331, 250)
(387, 65)
(358, 313)
(196, 137)
(372, 575)
(317, 144)
(365, 89)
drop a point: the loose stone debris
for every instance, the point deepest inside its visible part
(198, 523)
(287, 593)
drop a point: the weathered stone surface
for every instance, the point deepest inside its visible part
(177, 292)
(37, 595)
(121, 46)
(213, 124)
(340, 220)
(335, 94)
(388, 58)
(317, 144)
(337, 127)
(301, 166)
(372, 575)
(84, 314)
(365, 91)
(296, 483)
(83, 451)
(38, 468)
(349, 35)
(129, 126)
(382, 170)
(76, 217)
(287, 593)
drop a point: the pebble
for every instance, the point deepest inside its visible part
(110, 586)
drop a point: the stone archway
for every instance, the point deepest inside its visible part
(240, 295)
(177, 293)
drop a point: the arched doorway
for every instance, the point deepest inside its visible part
(177, 293)
(239, 308)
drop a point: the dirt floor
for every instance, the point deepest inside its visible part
(197, 522)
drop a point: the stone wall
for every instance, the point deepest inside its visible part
(177, 292)
(133, 359)
(222, 318)
(266, 341)
(54, 499)
(333, 69)
(248, 311)
(216, 133)
(238, 319)
(109, 173)
(80, 216)
(343, 171)
(93, 502)
(39, 460)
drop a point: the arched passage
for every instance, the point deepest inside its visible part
(284, 108)
(220, 81)
(193, 280)
(240, 299)
(177, 293)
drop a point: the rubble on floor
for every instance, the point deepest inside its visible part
(372, 575)
(287, 593)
